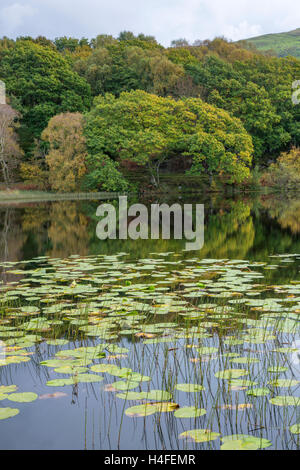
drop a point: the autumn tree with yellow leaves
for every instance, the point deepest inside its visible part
(67, 151)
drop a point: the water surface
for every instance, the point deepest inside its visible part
(149, 321)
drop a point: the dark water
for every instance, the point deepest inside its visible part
(251, 228)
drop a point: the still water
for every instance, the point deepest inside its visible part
(139, 344)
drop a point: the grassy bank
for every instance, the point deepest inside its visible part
(37, 196)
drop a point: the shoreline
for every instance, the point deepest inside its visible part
(45, 196)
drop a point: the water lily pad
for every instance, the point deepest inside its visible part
(165, 407)
(277, 369)
(233, 341)
(141, 410)
(285, 400)
(60, 382)
(70, 370)
(189, 388)
(120, 385)
(8, 388)
(231, 374)
(157, 395)
(244, 442)
(25, 397)
(242, 383)
(88, 378)
(258, 392)
(200, 435)
(8, 412)
(136, 377)
(287, 383)
(189, 412)
(131, 396)
(295, 429)
(207, 350)
(245, 360)
(239, 407)
(57, 342)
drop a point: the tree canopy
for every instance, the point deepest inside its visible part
(43, 84)
(188, 102)
(147, 129)
(67, 151)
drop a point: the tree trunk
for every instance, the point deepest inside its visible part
(154, 172)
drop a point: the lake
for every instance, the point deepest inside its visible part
(140, 344)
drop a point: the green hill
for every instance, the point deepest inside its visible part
(281, 44)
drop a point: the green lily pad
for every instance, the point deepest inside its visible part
(287, 383)
(136, 377)
(295, 429)
(157, 395)
(205, 350)
(242, 383)
(239, 444)
(189, 412)
(233, 341)
(189, 388)
(244, 442)
(245, 360)
(71, 370)
(8, 412)
(165, 407)
(8, 388)
(60, 382)
(120, 385)
(285, 400)
(200, 435)
(231, 374)
(258, 392)
(146, 409)
(25, 397)
(277, 369)
(130, 396)
(57, 342)
(88, 378)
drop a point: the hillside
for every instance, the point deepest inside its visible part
(281, 44)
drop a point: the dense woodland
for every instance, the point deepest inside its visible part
(81, 113)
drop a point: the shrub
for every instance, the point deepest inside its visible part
(285, 172)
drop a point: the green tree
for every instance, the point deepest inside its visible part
(103, 40)
(251, 103)
(70, 44)
(182, 42)
(44, 84)
(147, 129)
(125, 66)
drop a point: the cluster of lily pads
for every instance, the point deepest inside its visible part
(211, 334)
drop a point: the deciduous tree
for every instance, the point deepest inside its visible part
(45, 85)
(147, 129)
(67, 151)
(10, 152)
